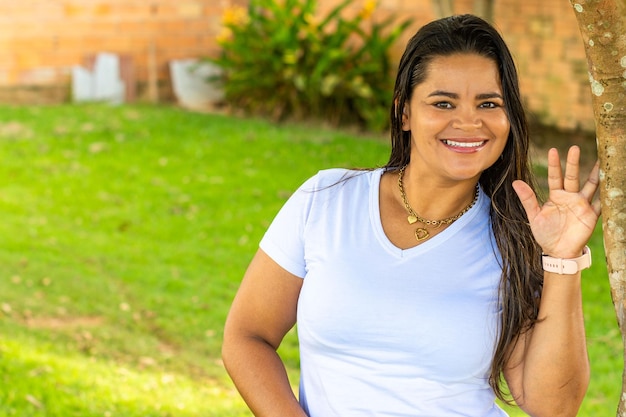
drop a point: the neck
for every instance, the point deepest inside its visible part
(434, 201)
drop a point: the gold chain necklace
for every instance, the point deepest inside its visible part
(421, 233)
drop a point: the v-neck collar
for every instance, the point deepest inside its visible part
(438, 239)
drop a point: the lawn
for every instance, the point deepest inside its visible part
(125, 231)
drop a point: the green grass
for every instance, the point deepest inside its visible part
(124, 234)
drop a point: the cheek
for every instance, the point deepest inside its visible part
(506, 126)
(503, 136)
(503, 121)
(501, 127)
(429, 121)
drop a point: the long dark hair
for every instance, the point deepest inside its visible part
(522, 275)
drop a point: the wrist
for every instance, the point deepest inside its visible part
(569, 265)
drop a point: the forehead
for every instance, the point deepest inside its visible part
(464, 68)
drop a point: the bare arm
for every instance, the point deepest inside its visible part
(548, 372)
(263, 311)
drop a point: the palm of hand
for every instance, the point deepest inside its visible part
(564, 224)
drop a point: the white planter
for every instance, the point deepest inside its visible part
(191, 86)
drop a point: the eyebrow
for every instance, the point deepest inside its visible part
(483, 96)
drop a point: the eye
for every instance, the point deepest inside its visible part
(489, 105)
(443, 105)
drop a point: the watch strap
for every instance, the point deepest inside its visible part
(567, 266)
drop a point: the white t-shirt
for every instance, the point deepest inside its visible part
(384, 331)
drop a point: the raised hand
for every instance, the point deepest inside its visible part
(564, 224)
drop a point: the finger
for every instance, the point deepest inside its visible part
(528, 199)
(571, 181)
(555, 175)
(597, 207)
(590, 187)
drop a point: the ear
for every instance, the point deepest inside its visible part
(405, 119)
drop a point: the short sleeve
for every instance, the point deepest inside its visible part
(284, 239)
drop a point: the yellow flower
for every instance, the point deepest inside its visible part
(368, 8)
(224, 36)
(235, 16)
(311, 20)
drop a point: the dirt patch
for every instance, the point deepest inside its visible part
(55, 323)
(15, 130)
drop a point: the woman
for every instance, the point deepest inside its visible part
(417, 285)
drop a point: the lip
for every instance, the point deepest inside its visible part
(465, 145)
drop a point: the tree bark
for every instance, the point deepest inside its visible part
(603, 27)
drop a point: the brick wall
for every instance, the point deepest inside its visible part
(548, 48)
(41, 39)
(544, 38)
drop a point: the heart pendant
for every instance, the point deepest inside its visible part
(421, 234)
(412, 219)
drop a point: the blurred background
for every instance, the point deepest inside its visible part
(41, 41)
(145, 146)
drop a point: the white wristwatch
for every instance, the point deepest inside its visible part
(567, 266)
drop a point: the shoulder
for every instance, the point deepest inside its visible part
(328, 178)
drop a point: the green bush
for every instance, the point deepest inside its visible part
(283, 59)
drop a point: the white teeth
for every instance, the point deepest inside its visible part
(463, 144)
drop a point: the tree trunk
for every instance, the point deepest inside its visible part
(603, 27)
(443, 8)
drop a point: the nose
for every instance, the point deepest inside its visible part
(466, 118)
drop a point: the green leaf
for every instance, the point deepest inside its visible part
(289, 61)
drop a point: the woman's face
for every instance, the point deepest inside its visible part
(457, 119)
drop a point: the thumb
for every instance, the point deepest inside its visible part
(527, 197)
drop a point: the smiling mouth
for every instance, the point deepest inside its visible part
(464, 144)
